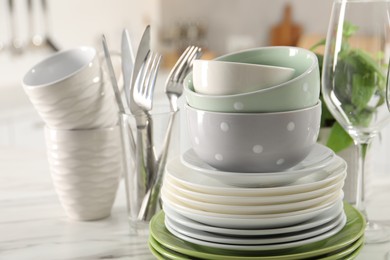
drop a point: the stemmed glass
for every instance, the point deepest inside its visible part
(354, 78)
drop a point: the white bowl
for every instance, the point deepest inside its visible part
(301, 91)
(213, 77)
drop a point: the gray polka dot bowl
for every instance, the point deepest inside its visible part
(302, 91)
(253, 142)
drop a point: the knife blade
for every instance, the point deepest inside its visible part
(127, 63)
(115, 87)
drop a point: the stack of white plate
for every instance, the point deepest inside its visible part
(255, 211)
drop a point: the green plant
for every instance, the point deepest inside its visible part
(357, 68)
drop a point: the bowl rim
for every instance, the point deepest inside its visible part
(52, 57)
(312, 67)
(242, 64)
(188, 107)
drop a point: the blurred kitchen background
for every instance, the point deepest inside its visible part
(219, 26)
(30, 30)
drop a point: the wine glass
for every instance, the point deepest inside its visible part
(354, 79)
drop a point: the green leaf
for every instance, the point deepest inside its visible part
(318, 44)
(349, 29)
(366, 63)
(363, 89)
(339, 139)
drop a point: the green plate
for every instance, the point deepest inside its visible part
(155, 253)
(166, 252)
(344, 252)
(354, 254)
(352, 231)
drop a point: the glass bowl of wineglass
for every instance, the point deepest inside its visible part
(354, 79)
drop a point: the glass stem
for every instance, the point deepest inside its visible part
(360, 191)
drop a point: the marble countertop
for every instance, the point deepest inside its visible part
(34, 226)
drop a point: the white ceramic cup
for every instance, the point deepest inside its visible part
(85, 166)
(69, 91)
(215, 77)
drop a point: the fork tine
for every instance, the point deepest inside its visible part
(143, 94)
(180, 61)
(183, 62)
(194, 55)
(153, 75)
(151, 80)
(146, 77)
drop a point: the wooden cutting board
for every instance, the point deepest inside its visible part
(286, 33)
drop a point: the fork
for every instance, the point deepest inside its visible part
(173, 89)
(174, 82)
(143, 93)
(143, 97)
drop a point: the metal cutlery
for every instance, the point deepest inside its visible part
(142, 52)
(174, 82)
(143, 94)
(127, 63)
(16, 43)
(47, 39)
(173, 89)
(144, 158)
(111, 72)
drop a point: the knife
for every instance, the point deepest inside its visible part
(115, 87)
(127, 63)
(111, 72)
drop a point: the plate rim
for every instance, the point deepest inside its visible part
(339, 172)
(290, 229)
(323, 229)
(323, 250)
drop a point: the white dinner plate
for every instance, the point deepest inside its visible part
(323, 236)
(252, 201)
(319, 220)
(258, 240)
(203, 183)
(242, 209)
(249, 221)
(318, 159)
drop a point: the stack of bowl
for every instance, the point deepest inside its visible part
(255, 184)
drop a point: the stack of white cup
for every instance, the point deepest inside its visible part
(77, 104)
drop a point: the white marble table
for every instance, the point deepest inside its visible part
(34, 226)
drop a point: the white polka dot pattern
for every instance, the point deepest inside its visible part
(280, 161)
(238, 106)
(224, 127)
(291, 126)
(305, 87)
(257, 148)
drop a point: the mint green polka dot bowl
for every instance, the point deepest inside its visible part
(301, 91)
(253, 142)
